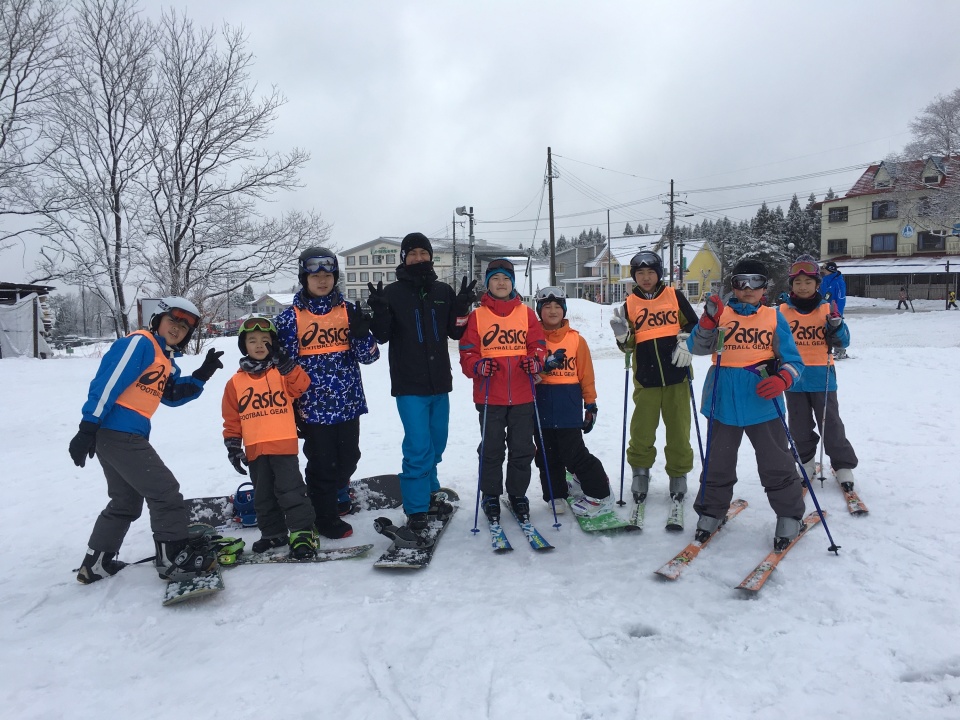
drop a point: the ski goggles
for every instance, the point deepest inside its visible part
(804, 267)
(748, 282)
(319, 264)
(501, 264)
(257, 323)
(646, 258)
(182, 316)
(551, 294)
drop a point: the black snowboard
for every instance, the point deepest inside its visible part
(414, 558)
(380, 492)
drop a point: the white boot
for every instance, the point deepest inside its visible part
(558, 505)
(810, 467)
(590, 507)
(845, 478)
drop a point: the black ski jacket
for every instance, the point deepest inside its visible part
(421, 317)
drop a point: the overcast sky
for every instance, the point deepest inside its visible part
(410, 109)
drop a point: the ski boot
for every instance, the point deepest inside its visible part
(303, 545)
(521, 508)
(335, 529)
(98, 565)
(787, 530)
(589, 507)
(491, 508)
(707, 525)
(641, 484)
(845, 478)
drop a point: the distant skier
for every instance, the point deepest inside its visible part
(758, 363)
(952, 300)
(833, 287)
(902, 298)
(135, 377)
(815, 329)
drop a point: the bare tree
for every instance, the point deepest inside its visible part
(209, 174)
(100, 122)
(32, 54)
(936, 130)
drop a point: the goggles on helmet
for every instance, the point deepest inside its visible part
(180, 315)
(500, 264)
(646, 258)
(804, 267)
(257, 323)
(550, 293)
(318, 264)
(748, 282)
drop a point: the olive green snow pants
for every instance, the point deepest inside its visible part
(673, 403)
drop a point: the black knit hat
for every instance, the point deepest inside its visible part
(414, 240)
(750, 267)
(316, 252)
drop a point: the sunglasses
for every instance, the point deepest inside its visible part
(182, 316)
(748, 282)
(316, 264)
(257, 323)
(804, 267)
(550, 293)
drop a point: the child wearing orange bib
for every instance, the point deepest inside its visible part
(502, 347)
(258, 414)
(817, 329)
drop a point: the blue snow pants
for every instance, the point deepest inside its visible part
(426, 421)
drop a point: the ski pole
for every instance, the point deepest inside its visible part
(623, 445)
(713, 408)
(823, 417)
(483, 436)
(834, 548)
(543, 445)
(696, 420)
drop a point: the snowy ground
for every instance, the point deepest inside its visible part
(586, 631)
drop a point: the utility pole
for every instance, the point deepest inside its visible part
(609, 293)
(453, 222)
(553, 245)
(671, 232)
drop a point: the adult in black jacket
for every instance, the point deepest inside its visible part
(416, 315)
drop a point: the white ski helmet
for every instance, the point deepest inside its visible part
(170, 306)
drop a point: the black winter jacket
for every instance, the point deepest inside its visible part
(420, 318)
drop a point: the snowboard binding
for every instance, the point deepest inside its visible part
(243, 510)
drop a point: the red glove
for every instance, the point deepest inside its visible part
(712, 310)
(485, 367)
(531, 365)
(772, 386)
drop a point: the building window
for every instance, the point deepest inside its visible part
(364, 260)
(693, 289)
(884, 209)
(931, 180)
(351, 260)
(377, 276)
(560, 267)
(391, 259)
(351, 293)
(391, 277)
(364, 277)
(378, 259)
(351, 277)
(837, 214)
(837, 247)
(929, 241)
(885, 242)
(364, 293)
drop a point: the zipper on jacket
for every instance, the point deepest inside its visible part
(416, 314)
(433, 316)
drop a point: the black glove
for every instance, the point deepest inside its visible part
(84, 443)
(464, 297)
(359, 321)
(555, 359)
(211, 363)
(283, 362)
(377, 301)
(235, 454)
(589, 417)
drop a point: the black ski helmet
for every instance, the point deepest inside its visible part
(646, 259)
(317, 252)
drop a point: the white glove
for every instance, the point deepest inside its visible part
(621, 328)
(681, 356)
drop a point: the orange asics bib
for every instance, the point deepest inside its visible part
(656, 318)
(809, 333)
(502, 336)
(749, 338)
(144, 395)
(322, 334)
(567, 373)
(266, 413)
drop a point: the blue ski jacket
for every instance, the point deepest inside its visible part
(126, 360)
(834, 289)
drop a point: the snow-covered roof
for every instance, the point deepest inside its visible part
(279, 298)
(913, 265)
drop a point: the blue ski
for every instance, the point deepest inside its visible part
(498, 539)
(536, 540)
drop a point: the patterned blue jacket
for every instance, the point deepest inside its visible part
(336, 388)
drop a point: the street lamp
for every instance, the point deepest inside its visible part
(462, 210)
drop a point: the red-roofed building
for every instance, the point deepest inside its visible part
(897, 213)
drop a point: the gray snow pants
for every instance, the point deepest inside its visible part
(510, 429)
(136, 473)
(805, 414)
(775, 464)
(280, 495)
